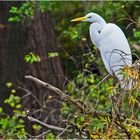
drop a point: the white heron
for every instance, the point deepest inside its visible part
(112, 43)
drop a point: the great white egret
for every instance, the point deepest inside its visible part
(112, 43)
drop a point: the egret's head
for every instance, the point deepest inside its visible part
(90, 17)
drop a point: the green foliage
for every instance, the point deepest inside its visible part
(44, 6)
(36, 127)
(26, 10)
(85, 88)
(50, 136)
(72, 33)
(96, 96)
(1, 110)
(32, 58)
(9, 84)
(137, 36)
(12, 126)
(53, 54)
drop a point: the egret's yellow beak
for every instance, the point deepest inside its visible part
(79, 19)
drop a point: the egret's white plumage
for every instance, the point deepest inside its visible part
(112, 43)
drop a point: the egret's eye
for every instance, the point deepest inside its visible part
(90, 17)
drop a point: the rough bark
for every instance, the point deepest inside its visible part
(37, 36)
(41, 41)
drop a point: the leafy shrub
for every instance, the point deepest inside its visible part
(12, 126)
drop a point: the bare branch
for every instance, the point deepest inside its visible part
(66, 97)
(40, 135)
(136, 47)
(56, 90)
(42, 123)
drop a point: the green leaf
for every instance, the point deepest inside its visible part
(18, 106)
(137, 34)
(14, 10)
(9, 84)
(35, 126)
(13, 91)
(14, 19)
(90, 79)
(53, 54)
(1, 110)
(50, 136)
(32, 58)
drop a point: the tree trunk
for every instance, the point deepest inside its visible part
(37, 36)
(41, 41)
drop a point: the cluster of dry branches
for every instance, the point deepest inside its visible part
(127, 125)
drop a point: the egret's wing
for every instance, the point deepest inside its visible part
(106, 63)
(114, 49)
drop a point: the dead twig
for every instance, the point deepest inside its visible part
(56, 90)
(42, 123)
(136, 47)
(66, 97)
(42, 135)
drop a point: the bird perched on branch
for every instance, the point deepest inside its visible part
(113, 45)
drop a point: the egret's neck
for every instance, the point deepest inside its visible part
(102, 22)
(95, 30)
